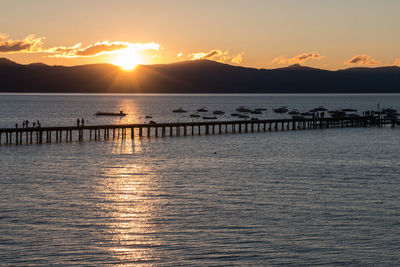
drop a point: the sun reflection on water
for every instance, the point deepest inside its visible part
(127, 190)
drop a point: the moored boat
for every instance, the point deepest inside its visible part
(120, 114)
(179, 110)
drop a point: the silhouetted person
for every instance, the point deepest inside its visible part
(23, 124)
(16, 125)
(27, 124)
(78, 122)
(82, 122)
(34, 124)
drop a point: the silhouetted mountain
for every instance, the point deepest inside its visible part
(200, 76)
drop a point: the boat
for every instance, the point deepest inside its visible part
(202, 110)
(256, 111)
(243, 116)
(179, 110)
(218, 112)
(209, 118)
(120, 114)
(243, 109)
(261, 109)
(194, 115)
(281, 110)
(235, 114)
(152, 122)
(148, 117)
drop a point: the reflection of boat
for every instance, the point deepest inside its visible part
(320, 108)
(349, 110)
(179, 110)
(243, 109)
(297, 117)
(110, 114)
(281, 110)
(202, 110)
(243, 116)
(218, 112)
(294, 112)
(210, 118)
(194, 115)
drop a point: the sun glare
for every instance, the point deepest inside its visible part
(127, 59)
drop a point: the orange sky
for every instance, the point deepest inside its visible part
(330, 34)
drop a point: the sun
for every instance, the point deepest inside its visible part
(127, 59)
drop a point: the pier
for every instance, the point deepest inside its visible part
(59, 134)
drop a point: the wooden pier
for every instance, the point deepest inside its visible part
(42, 135)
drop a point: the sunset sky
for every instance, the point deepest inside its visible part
(329, 34)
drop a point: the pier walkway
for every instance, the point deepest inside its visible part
(42, 135)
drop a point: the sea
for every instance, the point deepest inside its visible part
(316, 197)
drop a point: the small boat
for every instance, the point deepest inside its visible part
(194, 115)
(218, 112)
(243, 116)
(243, 109)
(179, 110)
(261, 109)
(256, 111)
(120, 114)
(202, 110)
(152, 122)
(281, 110)
(235, 114)
(148, 117)
(210, 118)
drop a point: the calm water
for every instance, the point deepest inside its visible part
(317, 197)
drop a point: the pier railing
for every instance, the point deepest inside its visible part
(42, 135)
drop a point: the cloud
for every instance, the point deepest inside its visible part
(238, 58)
(362, 60)
(217, 55)
(28, 44)
(99, 48)
(397, 62)
(299, 59)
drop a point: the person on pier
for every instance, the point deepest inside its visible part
(77, 122)
(82, 122)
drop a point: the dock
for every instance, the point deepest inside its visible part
(69, 134)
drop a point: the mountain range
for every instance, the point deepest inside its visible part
(197, 76)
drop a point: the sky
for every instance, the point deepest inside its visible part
(328, 34)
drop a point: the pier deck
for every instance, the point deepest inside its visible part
(41, 135)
